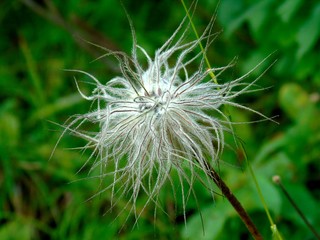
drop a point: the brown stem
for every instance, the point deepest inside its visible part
(277, 180)
(234, 202)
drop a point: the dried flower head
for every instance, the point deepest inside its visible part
(157, 118)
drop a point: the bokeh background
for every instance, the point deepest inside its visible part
(42, 199)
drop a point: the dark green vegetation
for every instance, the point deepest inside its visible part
(39, 198)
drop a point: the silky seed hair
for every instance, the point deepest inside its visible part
(157, 119)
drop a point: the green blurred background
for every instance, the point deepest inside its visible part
(41, 199)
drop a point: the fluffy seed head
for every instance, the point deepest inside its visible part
(157, 118)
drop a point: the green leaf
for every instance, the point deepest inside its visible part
(305, 202)
(9, 129)
(258, 14)
(16, 230)
(230, 16)
(288, 8)
(214, 218)
(252, 201)
(309, 32)
(293, 100)
(277, 164)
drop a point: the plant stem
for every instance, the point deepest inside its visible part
(276, 179)
(234, 202)
(273, 227)
(200, 44)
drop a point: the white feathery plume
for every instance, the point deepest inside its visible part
(158, 118)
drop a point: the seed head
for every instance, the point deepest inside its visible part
(158, 118)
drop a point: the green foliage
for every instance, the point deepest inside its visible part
(46, 199)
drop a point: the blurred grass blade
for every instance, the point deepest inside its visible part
(200, 44)
(34, 77)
